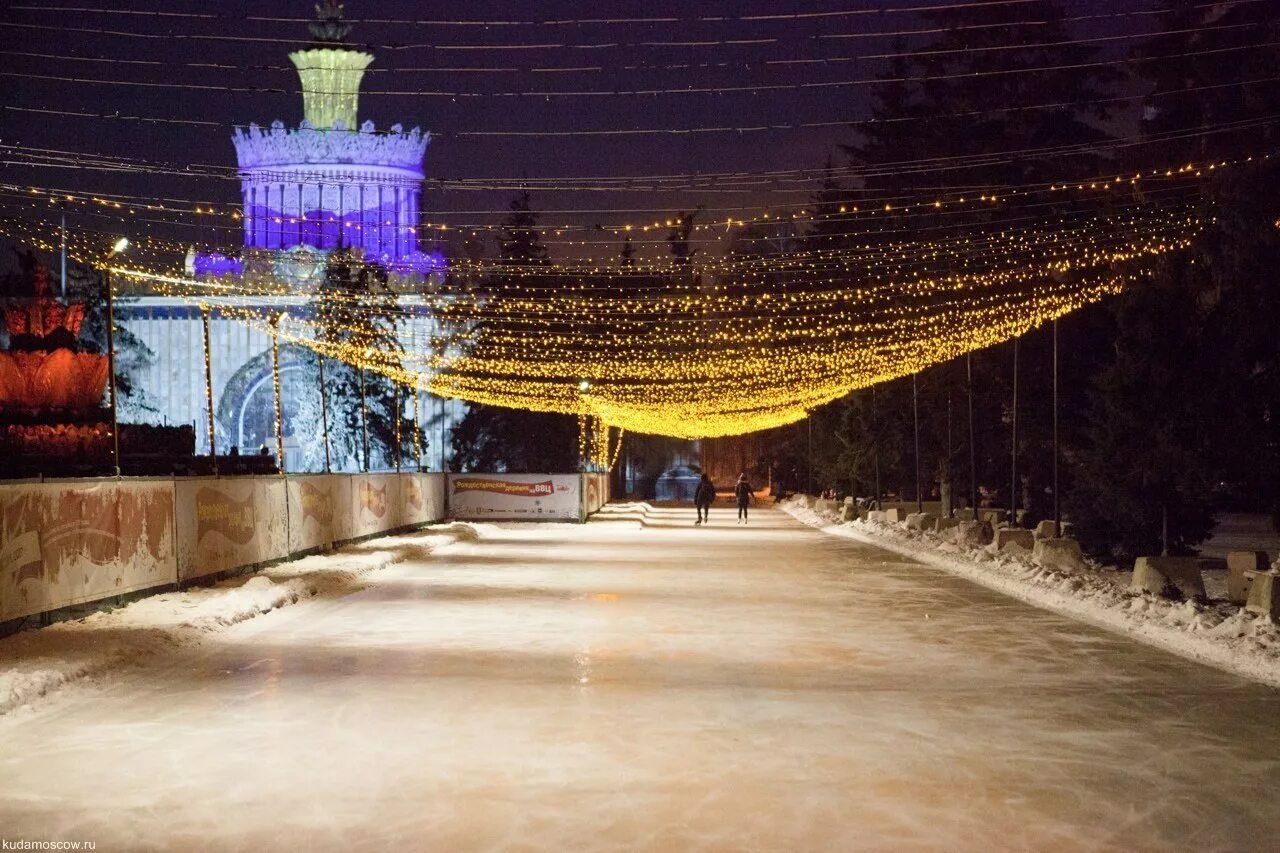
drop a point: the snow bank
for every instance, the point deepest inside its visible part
(1216, 633)
(37, 662)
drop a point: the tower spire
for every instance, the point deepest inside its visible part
(330, 71)
(329, 28)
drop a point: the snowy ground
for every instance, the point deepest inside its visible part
(1216, 632)
(645, 684)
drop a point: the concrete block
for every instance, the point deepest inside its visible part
(1165, 575)
(848, 512)
(964, 514)
(1045, 530)
(1239, 565)
(972, 534)
(893, 516)
(1063, 554)
(876, 516)
(943, 524)
(921, 521)
(1013, 539)
(1264, 595)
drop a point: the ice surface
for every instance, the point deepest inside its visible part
(1216, 631)
(653, 685)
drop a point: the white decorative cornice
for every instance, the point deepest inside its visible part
(279, 146)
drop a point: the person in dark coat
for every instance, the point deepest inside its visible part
(703, 497)
(745, 494)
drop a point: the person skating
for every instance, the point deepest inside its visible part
(703, 497)
(745, 494)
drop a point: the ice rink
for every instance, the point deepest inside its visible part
(615, 687)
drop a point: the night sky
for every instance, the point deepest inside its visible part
(421, 61)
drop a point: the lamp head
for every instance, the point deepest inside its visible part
(120, 246)
(584, 386)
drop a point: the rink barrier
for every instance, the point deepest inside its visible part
(66, 543)
(74, 542)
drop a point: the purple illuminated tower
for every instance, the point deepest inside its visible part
(329, 183)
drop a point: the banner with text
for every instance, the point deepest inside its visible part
(515, 497)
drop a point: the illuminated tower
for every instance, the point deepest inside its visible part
(328, 183)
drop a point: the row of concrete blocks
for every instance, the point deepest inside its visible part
(1041, 544)
(1250, 580)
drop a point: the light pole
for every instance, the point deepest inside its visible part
(120, 246)
(915, 416)
(1057, 494)
(208, 386)
(810, 422)
(1013, 444)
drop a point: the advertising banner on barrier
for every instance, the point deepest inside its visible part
(64, 544)
(226, 523)
(375, 503)
(421, 498)
(515, 497)
(311, 512)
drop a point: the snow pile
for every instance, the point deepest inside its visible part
(37, 662)
(1217, 633)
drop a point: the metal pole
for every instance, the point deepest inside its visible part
(111, 369)
(810, 490)
(275, 377)
(1013, 444)
(915, 414)
(63, 206)
(875, 426)
(208, 386)
(1057, 496)
(364, 422)
(324, 418)
(396, 386)
(973, 452)
(950, 471)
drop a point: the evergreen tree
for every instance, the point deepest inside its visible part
(496, 438)
(678, 238)
(1143, 477)
(355, 309)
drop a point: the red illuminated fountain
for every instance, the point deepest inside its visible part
(52, 419)
(42, 373)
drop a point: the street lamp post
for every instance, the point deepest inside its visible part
(120, 246)
(915, 417)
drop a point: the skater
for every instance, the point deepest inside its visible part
(703, 497)
(745, 494)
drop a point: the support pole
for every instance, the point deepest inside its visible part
(1057, 494)
(63, 206)
(364, 423)
(208, 387)
(915, 415)
(875, 425)
(973, 450)
(275, 377)
(111, 369)
(810, 489)
(1013, 444)
(324, 418)
(399, 450)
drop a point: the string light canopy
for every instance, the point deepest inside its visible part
(719, 351)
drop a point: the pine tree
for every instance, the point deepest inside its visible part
(497, 438)
(355, 310)
(1149, 459)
